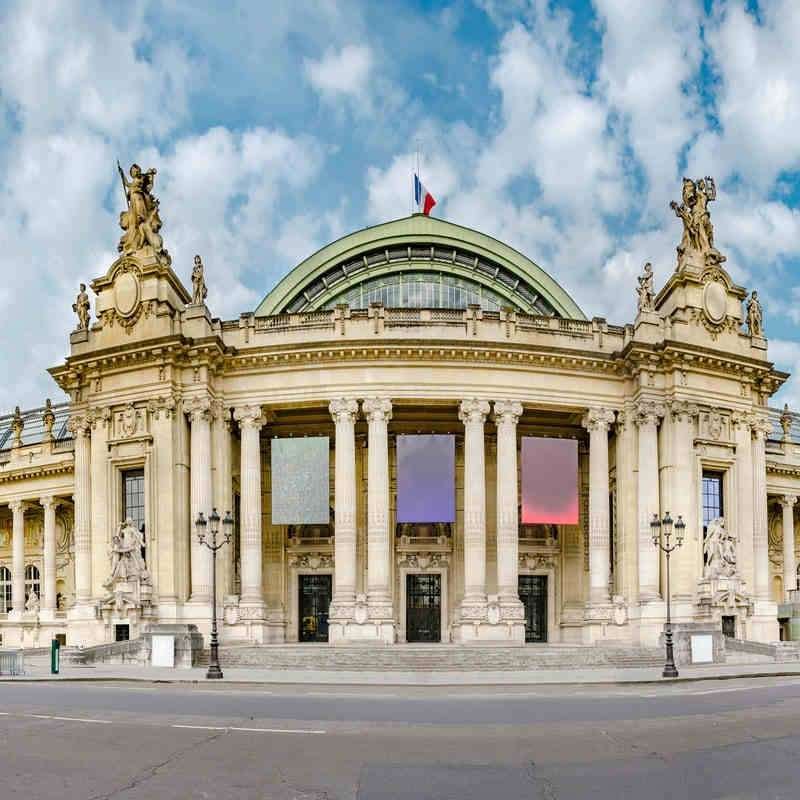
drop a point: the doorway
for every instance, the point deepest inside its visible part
(315, 600)
(424, 608)
(533, 594)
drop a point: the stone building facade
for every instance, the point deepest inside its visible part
(413, 326)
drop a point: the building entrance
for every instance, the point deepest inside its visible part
(423, 608)
(533, 594)
(315, 600)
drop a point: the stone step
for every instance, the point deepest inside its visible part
(431, 658)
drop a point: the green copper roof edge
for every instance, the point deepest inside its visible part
(420, 228)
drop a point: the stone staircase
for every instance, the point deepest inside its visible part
(434, 657)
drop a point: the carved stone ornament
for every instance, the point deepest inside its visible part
(534, 561)
(128, 420)
(714, 315)
(127, 293)
(423, 561)
(313, 561)
(715, 425)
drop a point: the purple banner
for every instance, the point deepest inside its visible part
(549, 481)
(426, 478)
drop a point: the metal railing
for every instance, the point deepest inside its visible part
(12, 662)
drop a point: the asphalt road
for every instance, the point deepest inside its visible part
(719, 739)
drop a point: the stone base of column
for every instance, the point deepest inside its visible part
(652, 614)
(47, 615)
(599, 624)
(493, 620)
(356, 622)
(83, 627)
(763, 625)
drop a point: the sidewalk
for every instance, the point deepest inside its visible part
(37, 669)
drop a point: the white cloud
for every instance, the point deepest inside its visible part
(343, 72)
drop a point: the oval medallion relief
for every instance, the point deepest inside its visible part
(715, 301)
(126, 293)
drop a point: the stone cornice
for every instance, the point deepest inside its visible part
(37, 471)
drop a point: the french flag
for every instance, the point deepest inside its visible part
(422, 197)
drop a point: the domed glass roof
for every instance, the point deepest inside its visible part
(419, 262)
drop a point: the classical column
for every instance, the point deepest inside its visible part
(201, 498)
(344, 414)
(789, 562)
(597, 421)
(742, 426)
(647, 416)
(48, 604)
(686, 566)
(506, 417)
(250, 422)
(473, 414)
(760, 519)
(17, 556)
(378, 412)
(81, 430)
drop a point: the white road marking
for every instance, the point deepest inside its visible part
(245, 730)
(69, 719)
(274, 730)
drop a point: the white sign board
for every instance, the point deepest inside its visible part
(702, 649)
(163, 653)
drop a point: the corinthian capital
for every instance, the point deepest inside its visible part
(648, 412)
(80, 425)
(343, 410)
(787, 500)
(198, 408)
(683, 410)
(507, 412)
(473, 410)
(249, 417)
(377, 409)
(762, 428)
(598, 419)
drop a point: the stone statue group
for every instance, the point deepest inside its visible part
(698, 232)
(720, 550)
(127, 562)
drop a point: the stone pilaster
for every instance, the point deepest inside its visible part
(686, 567)
(647, 417)
(17, 558)
(764, 621)
(201, 498)
(251, 421)
(789, 562)
(598, 421)
(48, 599)
(81, 430)
(343, 605)
(512, 612)
(378, 412)
(742, 427)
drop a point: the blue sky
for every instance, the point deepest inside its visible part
(563, 128)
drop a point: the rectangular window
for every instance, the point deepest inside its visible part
(713, 500)
(133, 499)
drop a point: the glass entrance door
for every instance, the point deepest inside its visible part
(315, 599)
(423, 608)
(533, 594)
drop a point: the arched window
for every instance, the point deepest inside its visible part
(32, 581)
(5, 590)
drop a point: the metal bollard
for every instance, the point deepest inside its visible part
(55, 656)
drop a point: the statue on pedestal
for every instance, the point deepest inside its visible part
(199, 290)
(645, 289)
(82, 307)
(698, 232)
(755, 316)
(32, 603)
(141, 222)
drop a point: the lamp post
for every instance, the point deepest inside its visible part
(213, 528)
(659, 528)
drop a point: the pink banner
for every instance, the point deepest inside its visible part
(549, 481)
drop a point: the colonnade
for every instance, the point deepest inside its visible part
(47, 597)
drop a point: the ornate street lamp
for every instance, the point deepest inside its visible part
(213, 528)
(659, 528)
